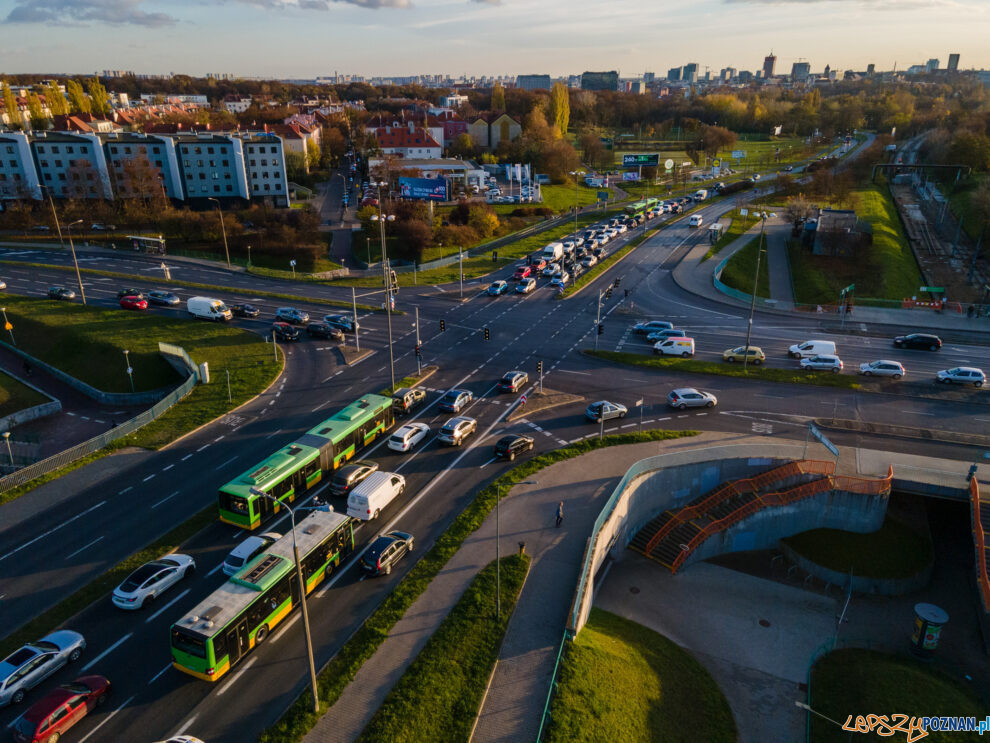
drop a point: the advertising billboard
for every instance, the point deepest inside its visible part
(632, 161)
(431, 189)
(630, 175)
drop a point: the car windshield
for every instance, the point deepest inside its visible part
(139, 576)
(77, 688)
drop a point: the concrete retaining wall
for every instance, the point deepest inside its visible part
(860, 584)
(32, 413)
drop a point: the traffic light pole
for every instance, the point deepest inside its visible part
(598, 320)
(357, 341)
(419, 367)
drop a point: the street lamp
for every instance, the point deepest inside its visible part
(7, 324)
(223, 228)
(130, 369)
(577, 174)
(381, 218)
(72, 247)
(756, 282)
(249, 256)
(302, 586)
(498, 536)
(6, 437)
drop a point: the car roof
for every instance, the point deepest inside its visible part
(681, 391)
(48, 704)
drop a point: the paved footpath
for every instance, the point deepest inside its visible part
(778, 264)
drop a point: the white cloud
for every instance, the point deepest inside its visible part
(67, 12)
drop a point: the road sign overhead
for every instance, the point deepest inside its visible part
(933, 289)
(641, 159)
(668, 164)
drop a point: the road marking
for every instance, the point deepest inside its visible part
(916, 412)
(214, 570)
(107, 652)
(129, 487)
(273, 433)
(83, 548)
(218, 438)
(586, 374)
(106, 719)
(236, 676)
(201, 448)
(221, 466)
(166, 469)
(165, 499)
(148, 478)
(158, 675)
(148, 620)
(488, 462)
(185, 457)
(185, 726)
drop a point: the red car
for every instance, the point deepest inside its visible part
(133, 303)
(538, 264)
(48, 718)
(522, 272)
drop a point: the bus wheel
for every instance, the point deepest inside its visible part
(261, 634)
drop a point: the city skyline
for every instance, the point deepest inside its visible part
(309, 38)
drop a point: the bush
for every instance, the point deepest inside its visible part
(735, 187)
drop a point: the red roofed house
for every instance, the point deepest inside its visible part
(296, 137)
(408, 142)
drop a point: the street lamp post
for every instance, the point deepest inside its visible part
(756, 281)
(72, 248)
(249, 256)
(223, 229)
(302, 589)
(6, 437)
(130, 369)
(381, 218)
(7, 324)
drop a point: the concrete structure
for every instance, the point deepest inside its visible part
(953, 65)
(212, 166)
(800, 72)
(534, 82)
(72, 165)
(931, 66)
(689, 73)
(600, 80)
(453, 101)
(769, 63)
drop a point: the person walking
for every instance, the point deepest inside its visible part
(560, 513)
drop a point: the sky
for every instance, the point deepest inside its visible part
(309, 38)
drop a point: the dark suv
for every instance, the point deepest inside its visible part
(386, 551)
(324, 330)
(350, 476)
(285, 332)
(922, 341)
(406, 399)
(511, 446)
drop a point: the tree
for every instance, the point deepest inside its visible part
(312, 153)
(39, 120)
(797, 209)
(295, 165)
(463, 146)
(594, 152)
(99, 97)
(560, 108)
(483, 221)
(710, 140)
(10, 107)
(498, 97)
(334, 145)
(55, 100)
(78, 102)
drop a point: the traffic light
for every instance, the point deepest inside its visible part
(539, 367)
(443, 326)
(615, 283)
(608, 293)
(487, 335)
(601, 328)
(419, 350)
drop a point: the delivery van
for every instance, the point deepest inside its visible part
(696, 220)
(553, 252)
(700, 195)
(375, 492)
(675, 347)
(812, 348)
(208, 309)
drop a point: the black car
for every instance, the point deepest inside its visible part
(511, 446)
(919, 340)
(406, 399)
(245, 310)
(385, 551)
(344, 322)
(285, 332)
(130, 293)
(60, 292)
(167, 299)
(350, 476)
(324, 330)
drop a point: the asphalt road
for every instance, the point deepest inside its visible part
(45, 554)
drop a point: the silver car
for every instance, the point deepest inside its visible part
(689, 397)
(28, 666)
(604, 410)
(456, 430)
(882, 368)
(962, 375)
(151, 580)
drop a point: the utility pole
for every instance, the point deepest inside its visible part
(756, 281)
(460, 261)
(357, 341)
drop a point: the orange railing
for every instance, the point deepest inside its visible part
(738, 487)
(982, 580)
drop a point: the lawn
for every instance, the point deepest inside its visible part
(738, 272)
(621, 681)
(438, 696)
(895, 551)
(866, 682)
(561, 198)
(889, 272)
(15, 396)
(737, 227)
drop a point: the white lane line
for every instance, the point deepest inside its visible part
(214, 570)
(585, 374)
(129, 487)
(159, 674)
(107, 652)
(273, 433)
(186, 725)
(488, 462)
(83, 548)
(218, 438)
(168, 497)
(147, 478)
(916, 412)
(201, 448)
(166, 469)
(106, 719)
(54, 528)
(148, 620)
(629, 425)
(221, 466)
(237, 675)
(185, 457)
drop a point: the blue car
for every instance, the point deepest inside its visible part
(497, 288)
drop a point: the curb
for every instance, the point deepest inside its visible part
(907, 432)
(563, 398)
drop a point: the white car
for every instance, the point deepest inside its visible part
(578, 242)
(3, 284)
(622, 229)
(247, 550)
(560, 281)
(882, 368)
(151, 580)
(824, 362)
(526, 286)
(588, 261)
(408, 436)
(613, 232)
(552, 270)
(962, 375)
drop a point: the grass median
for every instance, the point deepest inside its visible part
(339, 672)
(737, 227)
(602, 266)
(739, 270)
(15, 396)
(758, 373)
(438, 696)
(621, 681)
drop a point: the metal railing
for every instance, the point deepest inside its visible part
(553, 685)
(980, 542)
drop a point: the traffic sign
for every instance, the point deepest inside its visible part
(933, 289)
(669, 164)
(8, 326)
(716, 162)
(738, 154)
(522, 400)
(824, 439)
(849, 289)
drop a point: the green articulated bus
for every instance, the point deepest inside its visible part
(296, 468)
(237, 617)
(641, 207)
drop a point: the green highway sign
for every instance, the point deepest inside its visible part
(641, 159)
(933, 289)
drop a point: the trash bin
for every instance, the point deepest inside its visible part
(928, 622)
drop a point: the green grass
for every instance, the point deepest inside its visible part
(889, 271)
(339, 672)
(760, 373)
(15, 396)
(737, 227)
(561, 198)
(862, 682)
(621, 681)
(100, 587)
(894, 551)
(961, 203)
(738, 272)
(438, 696)
(602, 266)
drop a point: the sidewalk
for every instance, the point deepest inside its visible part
(779, 265)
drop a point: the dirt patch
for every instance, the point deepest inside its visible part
(537, 401)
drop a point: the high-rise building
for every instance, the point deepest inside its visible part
(675, 73)
(727, 74)
(931, 65)
(600, 80)
(745, 76)
(871, 69)
(769, 62)
(534, 82)
(953, 63)
(800, 72)
(691, 67)
(649, 77)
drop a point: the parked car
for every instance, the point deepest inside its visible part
(882, 368)
(247, 550)
(822, 362)
(457, 429)
(101, 227)
(51, 716)
(33, 662)
(962, 375)
(497, 288)
(645, 328)
(245, 310)
(151, 580)
(751, 354)
(525, 286)
(285, 332)
(689, 397)
(133, 303)
(922, 341)
(325, 330)
(455, 400)
(385, 551)
(292, 315)
(511, 446)
(41, 228)
(60, 292)
(344, 322)
(405, 399)
(164, 298)
(513, 381)
(604, 410)
(130, 293)
(350, 476)
(406, 437)
(522, 272)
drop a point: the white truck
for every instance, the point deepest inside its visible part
(208, 308)
(701, 194)
(553, 252)
(375, 492)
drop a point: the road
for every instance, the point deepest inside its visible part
(45, 554)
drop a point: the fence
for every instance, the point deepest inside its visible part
(553, 685)
(96, 443)
(980, 541)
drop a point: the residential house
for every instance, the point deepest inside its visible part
(491, 128)
(408, 142)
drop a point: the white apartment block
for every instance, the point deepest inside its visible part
(71, 165)
(18, 176)
(212, 166)
(266, 176)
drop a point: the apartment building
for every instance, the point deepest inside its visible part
(73, 166)
(18, 176)
(139, 163)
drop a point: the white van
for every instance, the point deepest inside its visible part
(375, 492)
(208, 309)
(675, 347)
(553, 252)
(696, 220)
(812, 348)
(700, 195)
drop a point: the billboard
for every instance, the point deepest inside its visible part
(738, 154)
(632, 161)
(431, 189)
(630, 175)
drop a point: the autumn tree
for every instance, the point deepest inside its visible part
(560, 108)
(334, 146)
(498, 97)
(10, 107)
(56, 101)
(98, 96)
(463, 146)
(78, 102)
(710, 140)
(312, 153)
(39, 120)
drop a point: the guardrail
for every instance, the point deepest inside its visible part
(553, 685)
(980, 541)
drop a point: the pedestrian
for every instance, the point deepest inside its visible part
(560, 513)
(970, 310)
(27, 368)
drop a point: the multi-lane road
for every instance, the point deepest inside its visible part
(51, 546)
